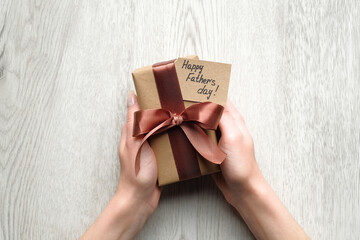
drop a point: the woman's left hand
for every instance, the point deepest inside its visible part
(137, 195)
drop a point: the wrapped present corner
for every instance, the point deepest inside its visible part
(164, 91)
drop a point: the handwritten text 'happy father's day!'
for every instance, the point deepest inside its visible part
(209, 87)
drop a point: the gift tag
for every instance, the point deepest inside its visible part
(203, 81)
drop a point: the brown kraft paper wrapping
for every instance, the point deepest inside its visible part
(148, 97)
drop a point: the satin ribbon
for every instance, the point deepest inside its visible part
(192, 121)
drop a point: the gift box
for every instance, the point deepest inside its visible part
(158, 87)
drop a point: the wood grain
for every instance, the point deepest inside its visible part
(65, 72)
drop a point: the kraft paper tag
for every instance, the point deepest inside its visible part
(203, 81)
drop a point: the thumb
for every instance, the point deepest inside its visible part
(227, 123)
(147, 162)
(132, 106)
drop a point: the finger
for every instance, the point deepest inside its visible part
(227, 123)
(234, 112)
(132, 107)
(122, 144)
(240, 122)
(147, 162)
(123, 135)
(147, 157)
(126, 148)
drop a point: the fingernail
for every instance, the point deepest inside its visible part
(131, 99)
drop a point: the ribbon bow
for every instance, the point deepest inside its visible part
(192, 121)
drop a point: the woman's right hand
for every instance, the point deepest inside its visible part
(239, 170)
(244, 186)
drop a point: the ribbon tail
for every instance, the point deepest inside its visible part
(159, 128)
(202, 143)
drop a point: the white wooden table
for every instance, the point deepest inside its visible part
(65, 70)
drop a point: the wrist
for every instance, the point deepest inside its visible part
(123, 216)
(130, 208)
(117, 221)
(254, 187)
(130, 199)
